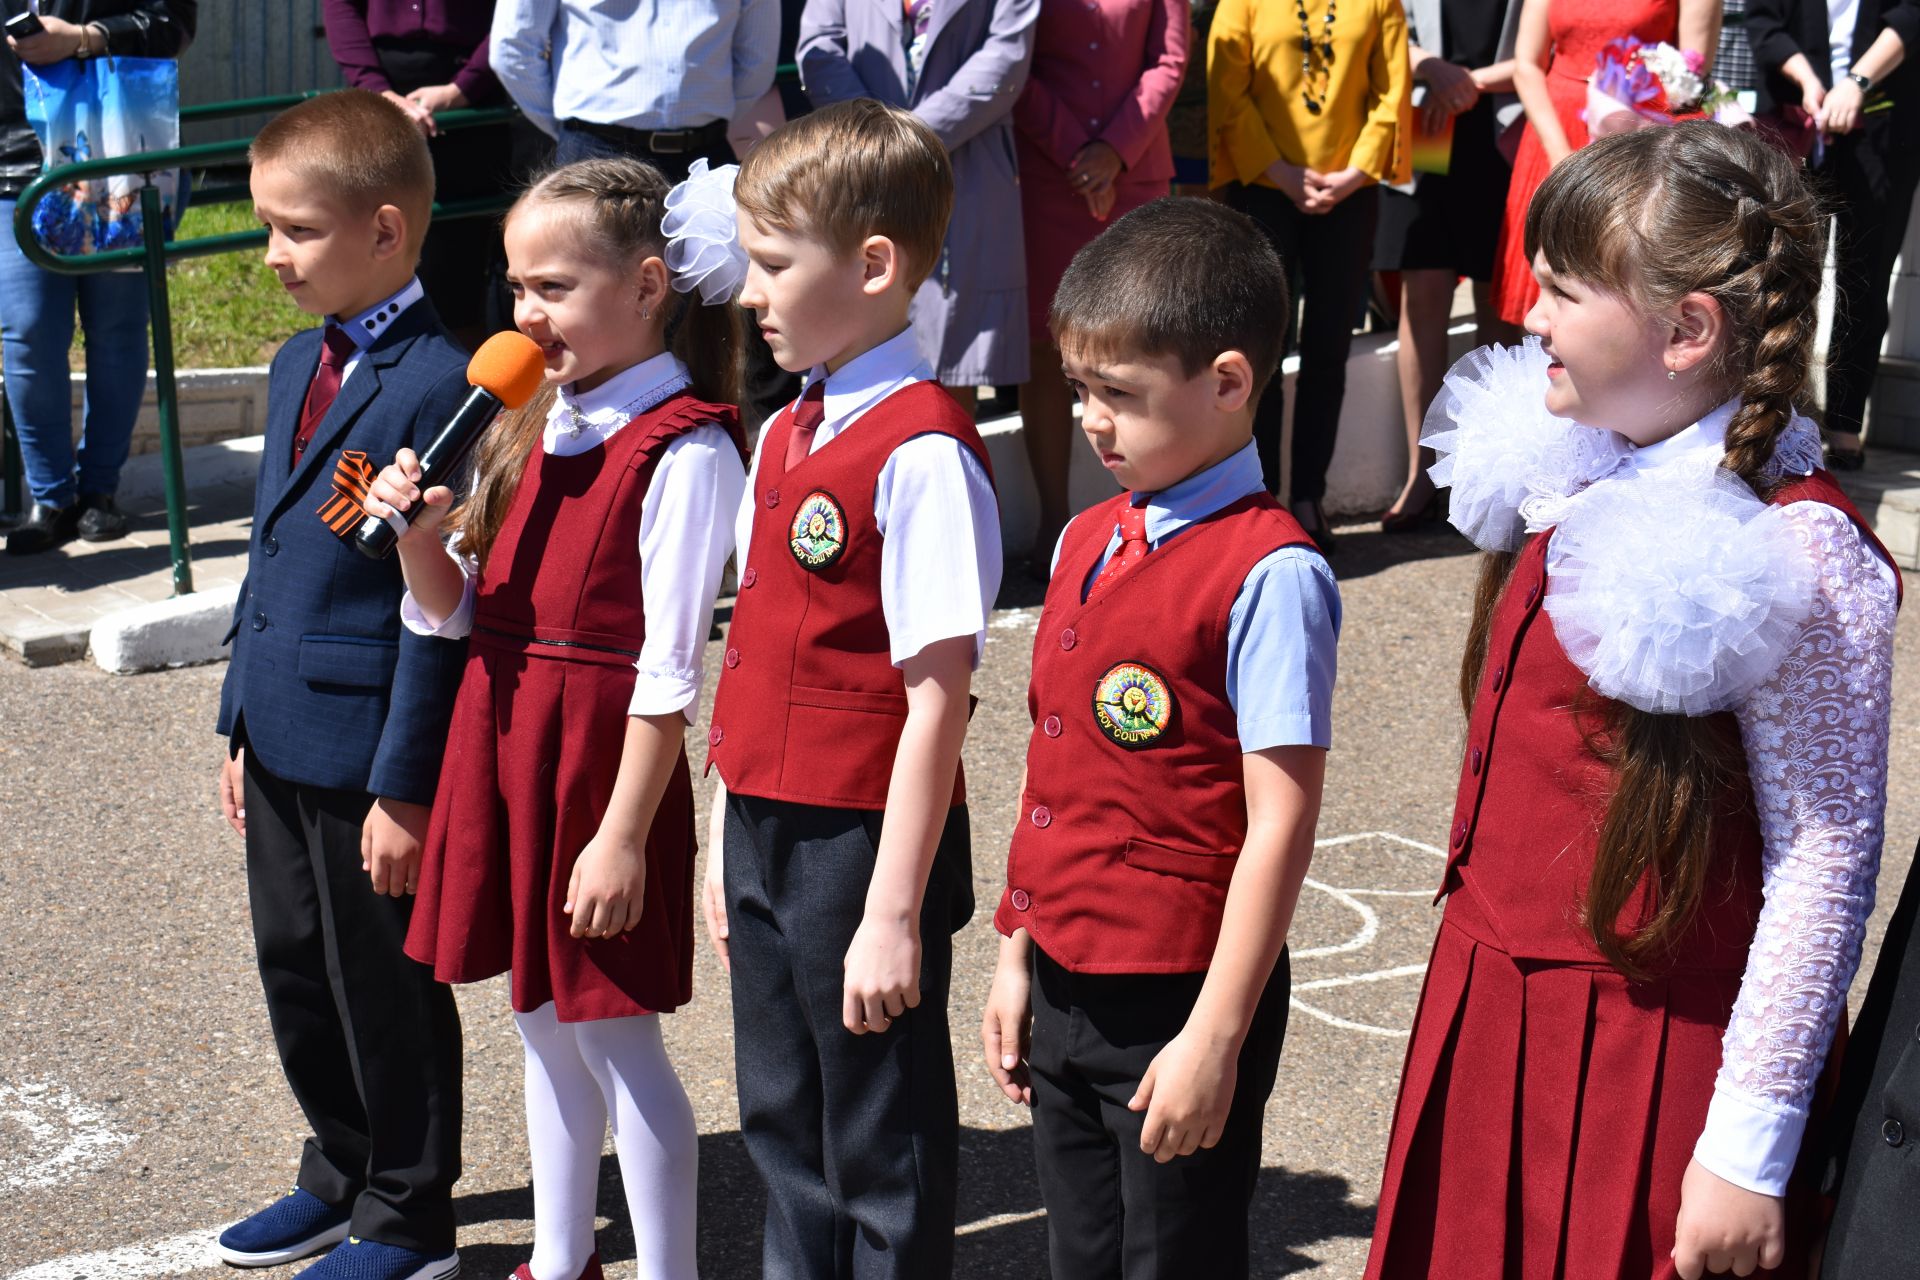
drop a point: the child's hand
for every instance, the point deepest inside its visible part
(1186, 1094)
(1006, 1029)
(883, 974)
(608, 889)
(233, 794)
(1726, 1228)
(390, 843)
(396, 488)
(713, 902)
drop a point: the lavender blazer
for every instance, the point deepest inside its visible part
(971, 314)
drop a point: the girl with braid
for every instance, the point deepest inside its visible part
(582, 564)
(1669, 814)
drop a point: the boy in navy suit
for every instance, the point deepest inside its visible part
(336, 715)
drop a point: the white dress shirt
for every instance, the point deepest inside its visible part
(641, 64)
(934, 505)
(366, 327)
(685, 535)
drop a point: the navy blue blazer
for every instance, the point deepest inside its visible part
(326, 687)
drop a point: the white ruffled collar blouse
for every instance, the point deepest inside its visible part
(577, 423)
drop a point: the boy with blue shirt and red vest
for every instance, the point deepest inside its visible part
(869, 560)
(336, 716)
(1181, 695)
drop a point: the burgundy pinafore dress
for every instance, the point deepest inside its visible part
(1549, 1106)
(535, 743)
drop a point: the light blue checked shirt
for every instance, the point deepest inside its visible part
(642, 64)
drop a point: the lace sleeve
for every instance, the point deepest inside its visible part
(1815, 735)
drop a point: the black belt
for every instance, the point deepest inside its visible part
(661, 142)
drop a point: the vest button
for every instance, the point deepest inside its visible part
(714, 735)
(1020, 900)
(1460, 833)
(1042, 816)
(749, 577)
(1499, 676)
(733, 657)
(1068, 639)
(1473, 761)
(773, 497)
(1051, 726)
(1893, 1132)
(1533, 594)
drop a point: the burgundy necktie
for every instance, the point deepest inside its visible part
(807, 417)
(1132, 549)
(336, 349)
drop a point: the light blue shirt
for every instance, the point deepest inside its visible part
(1284, 628)
(641, 64)
(366, 327)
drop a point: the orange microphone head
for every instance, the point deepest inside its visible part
(510, 366)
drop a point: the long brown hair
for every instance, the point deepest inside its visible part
(1651, 217)
(620, 202)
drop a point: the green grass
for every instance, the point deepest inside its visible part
(228, 309)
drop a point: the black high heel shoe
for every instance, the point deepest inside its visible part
(1414, 520)
(1318, 527)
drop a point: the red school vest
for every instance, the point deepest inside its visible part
(1135, 808)
(810, 706)
(1533, 793)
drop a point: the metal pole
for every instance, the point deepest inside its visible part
(154, 239)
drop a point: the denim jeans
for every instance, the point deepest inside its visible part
(36, 329)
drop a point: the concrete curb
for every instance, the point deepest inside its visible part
(178, 632)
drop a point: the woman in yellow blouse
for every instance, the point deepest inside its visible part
(1308, 109)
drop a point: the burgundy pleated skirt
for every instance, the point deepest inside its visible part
(532, 754)
(1547, 1115)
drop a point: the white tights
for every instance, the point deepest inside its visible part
(579, 1074)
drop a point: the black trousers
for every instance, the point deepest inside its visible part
(1111, 1210)
(1329, 256)
(856, 1136)
(369, 1041)
(1871, 173)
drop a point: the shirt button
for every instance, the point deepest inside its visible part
(1096, 84)
(1051, 726)
(1020, 900)
(773, 497)
(1093, 44)
(1893, 1133)
(1499, 675)
(1473, 760)
(1042, 816)
(714, 736)
(259, 622)
(733, 657)
(1068, 639)
(750, 577)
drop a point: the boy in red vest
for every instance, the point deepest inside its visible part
(869, 559)
(1182, 683)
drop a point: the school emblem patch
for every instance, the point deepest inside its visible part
(818, 535)
(1132, 704)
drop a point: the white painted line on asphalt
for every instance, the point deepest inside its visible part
(172, 1256)
(67, 1138)
(1367, 934)
(1347, 980)
(998, 1220)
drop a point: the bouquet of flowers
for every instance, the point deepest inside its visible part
(1636, 85)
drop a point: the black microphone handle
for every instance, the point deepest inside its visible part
(376, 536)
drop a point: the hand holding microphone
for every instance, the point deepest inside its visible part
(504, 372)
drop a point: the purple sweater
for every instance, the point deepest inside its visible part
(353, 26)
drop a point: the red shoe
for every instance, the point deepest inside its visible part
(589, 1272)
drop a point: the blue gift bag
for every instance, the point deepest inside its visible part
(86, 109)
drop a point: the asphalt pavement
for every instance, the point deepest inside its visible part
(142, 1107)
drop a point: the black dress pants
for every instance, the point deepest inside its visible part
(1871, 174)
(856, 1136)
(369, 1041)
(1329, 254)
(1114, 1213)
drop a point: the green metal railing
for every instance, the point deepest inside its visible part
(157, 252)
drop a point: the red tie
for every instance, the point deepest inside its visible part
(1133, 548)
(807, 417)
(335, 351)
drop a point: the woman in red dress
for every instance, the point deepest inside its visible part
(1090, 132)
(1553, 57)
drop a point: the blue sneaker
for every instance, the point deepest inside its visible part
(359, 1259)
(297, 1225)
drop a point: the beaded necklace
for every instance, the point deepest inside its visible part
(1308, 72)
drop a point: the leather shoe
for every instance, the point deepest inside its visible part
(101, 519)
(44, 529)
